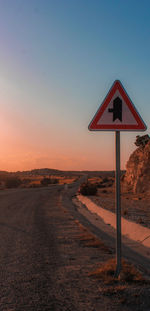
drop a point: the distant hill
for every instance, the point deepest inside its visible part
(49, 171)
(41, 171)
(35, 172)
(4, 175)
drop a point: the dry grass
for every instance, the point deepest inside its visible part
(125, 212)
(80, 225)
(112, 290)
(94, 180)
(33, 181)
(90, 240)
(128, 273)
(140, 220)
(66, 180)
(129, 289)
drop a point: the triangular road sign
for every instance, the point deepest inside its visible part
(117, 112)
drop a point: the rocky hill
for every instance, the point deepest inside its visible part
(137, 177)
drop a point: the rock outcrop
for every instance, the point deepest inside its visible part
(137, 177)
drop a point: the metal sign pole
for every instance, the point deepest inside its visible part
(118, 206)
(125, 117)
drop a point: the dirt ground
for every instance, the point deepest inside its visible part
(48, 256)
(133, 207)
(86, 254)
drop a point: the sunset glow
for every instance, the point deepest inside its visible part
(58, 61)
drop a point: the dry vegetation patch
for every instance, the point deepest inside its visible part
(90, 240)
(129, 288)
(134, 207)
(29, 180)
(128, 273)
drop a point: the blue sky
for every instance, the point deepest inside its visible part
(58, 60)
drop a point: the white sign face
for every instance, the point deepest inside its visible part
(126, 114)
(117, 112)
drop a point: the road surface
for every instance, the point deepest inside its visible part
(40, 268)
(44, 266)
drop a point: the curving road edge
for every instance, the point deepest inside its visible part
(130, 229)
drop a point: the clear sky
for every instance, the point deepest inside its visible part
(58, 60)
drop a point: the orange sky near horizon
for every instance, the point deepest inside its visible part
(28, 142)
(35, 138)
(24, 151)
(56, 72)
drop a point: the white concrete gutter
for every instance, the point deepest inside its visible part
(130, 229)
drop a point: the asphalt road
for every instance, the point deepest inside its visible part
(39, 256)
(27, 248)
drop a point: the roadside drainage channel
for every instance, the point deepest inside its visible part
(129, 229)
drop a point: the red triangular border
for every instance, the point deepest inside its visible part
(93, 126)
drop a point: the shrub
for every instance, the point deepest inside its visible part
(26, 181)
(101, 185)
(47, 181)
(106, 272)
(105, 180)
(54, 181)
(104, 191)
(140, 220)
(125, 212)
(88, 189)
(12, 182)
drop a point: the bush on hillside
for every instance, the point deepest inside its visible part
(12, 182)
(54, 181)
(105, 180)
(101, 185)
(47, 181)
(26, 181)
(88, 189)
